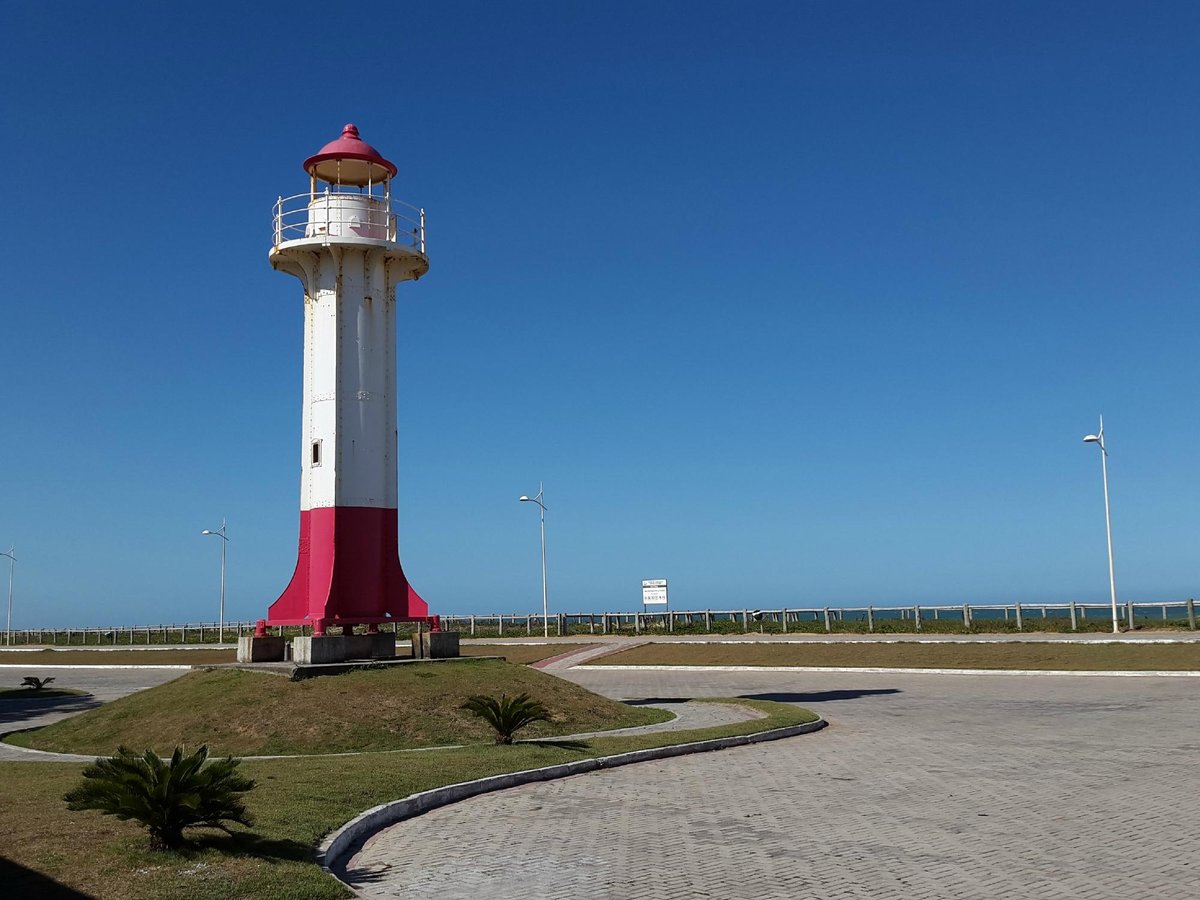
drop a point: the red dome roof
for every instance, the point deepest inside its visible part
(349, 160)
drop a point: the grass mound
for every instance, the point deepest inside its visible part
(251, 714)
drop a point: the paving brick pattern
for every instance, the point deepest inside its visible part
(923, 787)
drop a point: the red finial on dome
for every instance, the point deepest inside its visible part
(349, 160)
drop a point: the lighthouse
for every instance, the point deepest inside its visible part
(351, 244)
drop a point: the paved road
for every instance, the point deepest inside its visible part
(923, 787)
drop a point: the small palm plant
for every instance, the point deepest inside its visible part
(164, 796)
(507, 716)
(32, 681)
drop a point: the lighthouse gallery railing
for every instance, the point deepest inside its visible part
(333, 214)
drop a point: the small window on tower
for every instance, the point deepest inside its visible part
(316, 453)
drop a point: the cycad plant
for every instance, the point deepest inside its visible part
(165, 796)
(507, 715)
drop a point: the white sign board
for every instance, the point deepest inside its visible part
(654, 592)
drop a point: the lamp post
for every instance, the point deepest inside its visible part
(1098, 439)
(12, 556)
(220, 532)
(545, 604)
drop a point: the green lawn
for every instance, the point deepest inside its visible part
(946, 655)
(297, 802)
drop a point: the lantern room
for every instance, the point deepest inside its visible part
(349, 200)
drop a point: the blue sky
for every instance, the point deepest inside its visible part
(789, 303)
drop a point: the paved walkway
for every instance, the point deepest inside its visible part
(923, 787)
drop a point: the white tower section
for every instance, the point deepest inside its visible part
(348, 452)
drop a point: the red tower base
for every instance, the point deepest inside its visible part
(347, 573)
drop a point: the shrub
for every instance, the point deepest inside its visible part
(507, 716)
(37, 684)
(165, 797)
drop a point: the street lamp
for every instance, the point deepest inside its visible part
(545, 605)
(220, 532)
(1098, 440)
(12, 556)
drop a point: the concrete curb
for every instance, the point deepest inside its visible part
(336, 845)
(879, 670)
(42, 755)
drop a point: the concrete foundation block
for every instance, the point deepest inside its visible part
(261, 649)
(315, 649)
(435, 645)
(370, 646)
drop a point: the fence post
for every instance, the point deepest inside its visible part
(745, 620)
(1020, 621)
(637, 623)
(916, 618)
(670, 621)
(1074, 618)
(1129, 613)
(967, 616)
(827, 628)
(562, 624)
(870, 619)
(707, 621)
(1191, 613)
(785, 631)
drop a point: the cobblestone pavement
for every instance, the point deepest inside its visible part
(923, 787)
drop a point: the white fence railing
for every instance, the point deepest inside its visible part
(903, 619)
(870, 619)
(338, 214)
